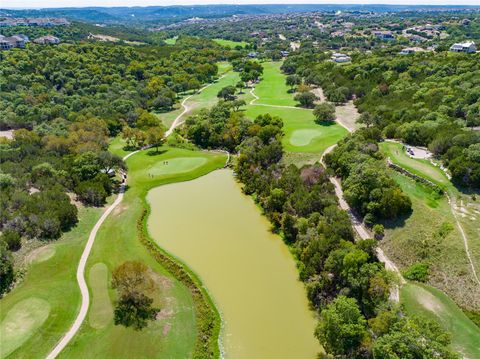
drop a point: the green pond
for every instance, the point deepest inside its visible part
(220, 233)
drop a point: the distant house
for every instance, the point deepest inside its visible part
(252, 55)
(10, 42)
(339, 58)
(384, 35)
(411, 50)
(468, 47)
(284, 53)
(47, 40)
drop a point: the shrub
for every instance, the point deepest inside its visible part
(417, 272)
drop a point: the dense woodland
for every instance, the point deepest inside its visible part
(64, 103)
(345, 282)
(426, 99)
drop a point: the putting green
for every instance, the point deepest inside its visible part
(176, 165)
(301, 138)
(101, 312)
(21, 322)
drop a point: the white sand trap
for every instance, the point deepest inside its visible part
(101, 311)
(301, 138)
(21, 322)
(429, 301)
(41, 254)
(176, 165)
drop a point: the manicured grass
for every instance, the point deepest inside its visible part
(174, 334)
(171, 41)
(176, 165)
(421, 167)
(117, 145)
(302, 134)
(49, 282)
(21, 322)
(272, 89)
(101, 312)
(417, 238)
(430, 302)
(229, 43)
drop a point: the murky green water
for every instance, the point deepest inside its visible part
(222, 236)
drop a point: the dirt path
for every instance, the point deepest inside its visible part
(357, 224)
(177, 122)
(453, 204)
(361, 229)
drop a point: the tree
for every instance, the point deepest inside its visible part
(132, 281)
(342, 327)
(414, 338)
(156, 136)
(324, 112)
(162, 103)
(240, 86)
(306, 99)
(236, 104)
(7, 275)
(227, 93)
(292, 81)
(134, 310)
(12, 239)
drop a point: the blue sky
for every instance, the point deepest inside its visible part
(82, 3)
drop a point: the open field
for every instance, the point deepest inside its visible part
(229, 43)
(174, 332)
(48, 298)
(429, 235)
(424, 300)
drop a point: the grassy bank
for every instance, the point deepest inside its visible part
(424, 300)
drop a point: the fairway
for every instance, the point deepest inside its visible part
(272, 89)
(204, 99)
(101, 312)
(430, 302)
(41, 254)
(229, 43)
(21, 322)
(302, 134)
(421, 167)
(176, 165)
(300, 138)
(171, 40)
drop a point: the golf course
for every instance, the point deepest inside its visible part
(224, 283)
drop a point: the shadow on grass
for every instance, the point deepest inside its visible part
(326, 123)
(398, 222)
(156, 152)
